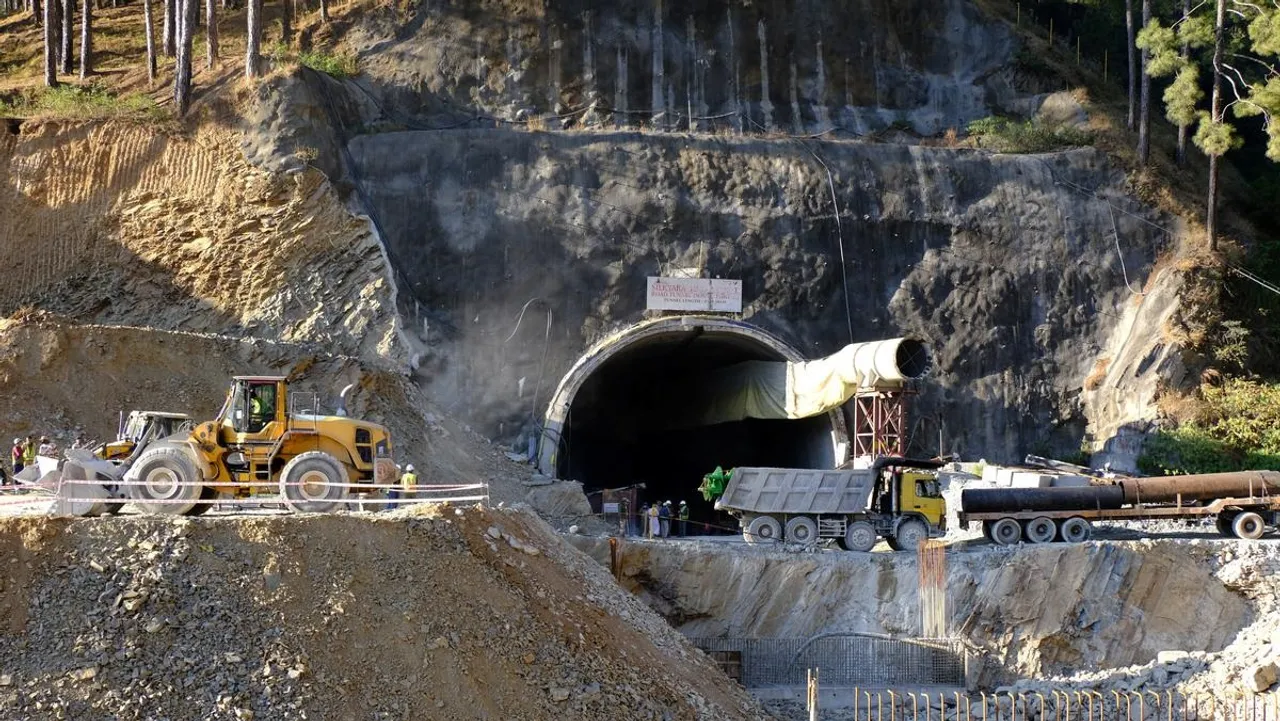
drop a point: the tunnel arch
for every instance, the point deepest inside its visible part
(619, 381)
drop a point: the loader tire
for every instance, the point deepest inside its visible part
(167, 482)
(207, 494)
(314, 482)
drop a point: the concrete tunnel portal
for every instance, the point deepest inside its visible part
(620, 416)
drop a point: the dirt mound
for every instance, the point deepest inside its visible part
(459, 615)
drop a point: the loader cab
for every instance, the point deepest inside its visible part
(253, 404)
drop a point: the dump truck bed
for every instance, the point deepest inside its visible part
(796, 491)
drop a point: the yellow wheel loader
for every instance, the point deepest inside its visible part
(266, 441)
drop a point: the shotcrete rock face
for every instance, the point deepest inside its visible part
(634, 421)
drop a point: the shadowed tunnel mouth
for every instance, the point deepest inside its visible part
(631, 423)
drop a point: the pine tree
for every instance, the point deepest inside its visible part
(170, 27)
(253, 43)
(150, 32)
(86, 39)
(1185, 54)
(211, 33)
(51, 44)
(187, 11)
(1130, 62)
(68, 30)
(1254, 90)
(1144, 102)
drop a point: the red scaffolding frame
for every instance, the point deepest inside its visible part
(880, 423)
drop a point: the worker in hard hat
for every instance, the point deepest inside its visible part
(654, 525)
(664, 514)
(29, 451)
(683, 513)
(15, 455)
(407, 482)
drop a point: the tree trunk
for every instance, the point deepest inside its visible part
(182, 74)
(286, 21)
(68, 30)
(86, 39)
(150, 32)
(170, 26)
(252, 60)
(54, 15)
(324, 11)
(37, 12)
(1144, 102)
(211, 32)
(1132, 60)
(1181, 157)
(1219, 39)
(51, 43)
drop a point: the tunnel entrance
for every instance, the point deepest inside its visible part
(624, 415)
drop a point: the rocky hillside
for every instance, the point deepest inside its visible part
(405, 216)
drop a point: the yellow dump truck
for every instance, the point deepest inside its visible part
(899, 499)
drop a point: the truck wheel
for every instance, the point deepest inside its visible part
(859, 536)
(1248, 525)
(1006, 532)
(762, 529)
(314, 482)
(1224, 522)
(910, 534)
(167, 482)
(1075, 530)
(1041, 530)
(802, 530)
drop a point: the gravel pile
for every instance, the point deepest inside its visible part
(442, 614)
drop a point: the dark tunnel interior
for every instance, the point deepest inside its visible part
(619, 431)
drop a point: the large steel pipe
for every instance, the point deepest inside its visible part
(1201, 487)
(1012, 500)
(886, 361)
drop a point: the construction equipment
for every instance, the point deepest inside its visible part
(899, 499)
(266, 440)
(1241, 504)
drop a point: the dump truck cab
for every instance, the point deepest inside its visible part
(909, 492)
(267, 439)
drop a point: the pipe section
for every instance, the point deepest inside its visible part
(891, 361)
(1201, 487)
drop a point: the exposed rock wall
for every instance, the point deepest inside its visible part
(1008, 265)
(792, 66)
(1032, 610)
